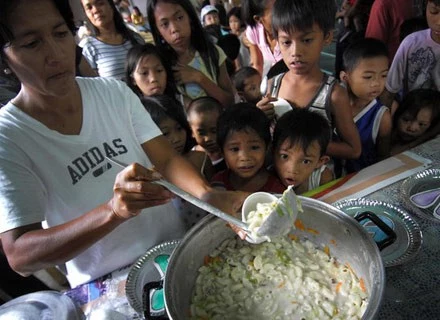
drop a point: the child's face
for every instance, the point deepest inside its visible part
(251, 90)
(294, 166)
(174, 133)
(244, 152)
(301, 50)
(174, 25)
(150, 76)
(367, 80)
(204, 129)
(433, 19)
(410, 128)
(234, 24)
(211, 18)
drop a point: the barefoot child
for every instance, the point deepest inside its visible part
(244, 137)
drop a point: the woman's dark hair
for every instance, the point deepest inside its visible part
(134, 55)
(199, 39)
(416, 100)
(241, 75)
(161, 107)
(242, 117)
(363, 48)
(120, 26)
(288, 15)
(302, 126)
(8, 6)
(251, 8)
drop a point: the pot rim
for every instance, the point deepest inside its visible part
(379, 284)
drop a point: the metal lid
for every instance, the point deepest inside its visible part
(421, 192)
(41, 305)
(148, 269)
(409, 235)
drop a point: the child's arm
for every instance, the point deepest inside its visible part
(223, 92)
(384, 136)
(350, 146)
(387, 98)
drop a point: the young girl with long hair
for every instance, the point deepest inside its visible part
(147, 73)
(198, 65)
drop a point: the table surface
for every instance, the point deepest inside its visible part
(412, 289)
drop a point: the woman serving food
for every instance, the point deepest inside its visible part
(55, 136)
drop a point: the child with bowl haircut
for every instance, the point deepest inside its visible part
(365, 69)
(303, 28)
(202, 115)
(243, 135)
(247, 82)
(299, 144)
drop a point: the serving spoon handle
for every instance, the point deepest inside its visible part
(190, 198)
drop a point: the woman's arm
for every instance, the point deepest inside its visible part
(350, 146)
(31, 248)
(182, 173)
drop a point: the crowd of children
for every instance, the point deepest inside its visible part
(302, 127)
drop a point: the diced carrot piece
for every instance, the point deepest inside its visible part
(313, 231)
(299, 225)
(327, 250)
(333, 241)
(338, 287)
(362, 285)
(293, 237)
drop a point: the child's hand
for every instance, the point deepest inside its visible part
(185, 74)
(267, 106)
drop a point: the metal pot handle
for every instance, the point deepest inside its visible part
(146, 300)
(391, 235)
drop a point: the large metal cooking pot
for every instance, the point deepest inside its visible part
(347, 239)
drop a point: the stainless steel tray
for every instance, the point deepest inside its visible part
(146, 270)
(409, 235)
(421, 182)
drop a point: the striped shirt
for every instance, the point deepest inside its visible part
(107, 59)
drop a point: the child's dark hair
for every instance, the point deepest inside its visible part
(161, 107)
(241, 75)
(251, 8)
(199, 39)
(242, 117)
(302, 126)
(416, 100)
(288, 15)
(412, 25)
(235, 12)
(230, 44)
(363, 48)
(134, 55)
(204, 104)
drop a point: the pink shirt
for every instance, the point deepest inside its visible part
(256, 36)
